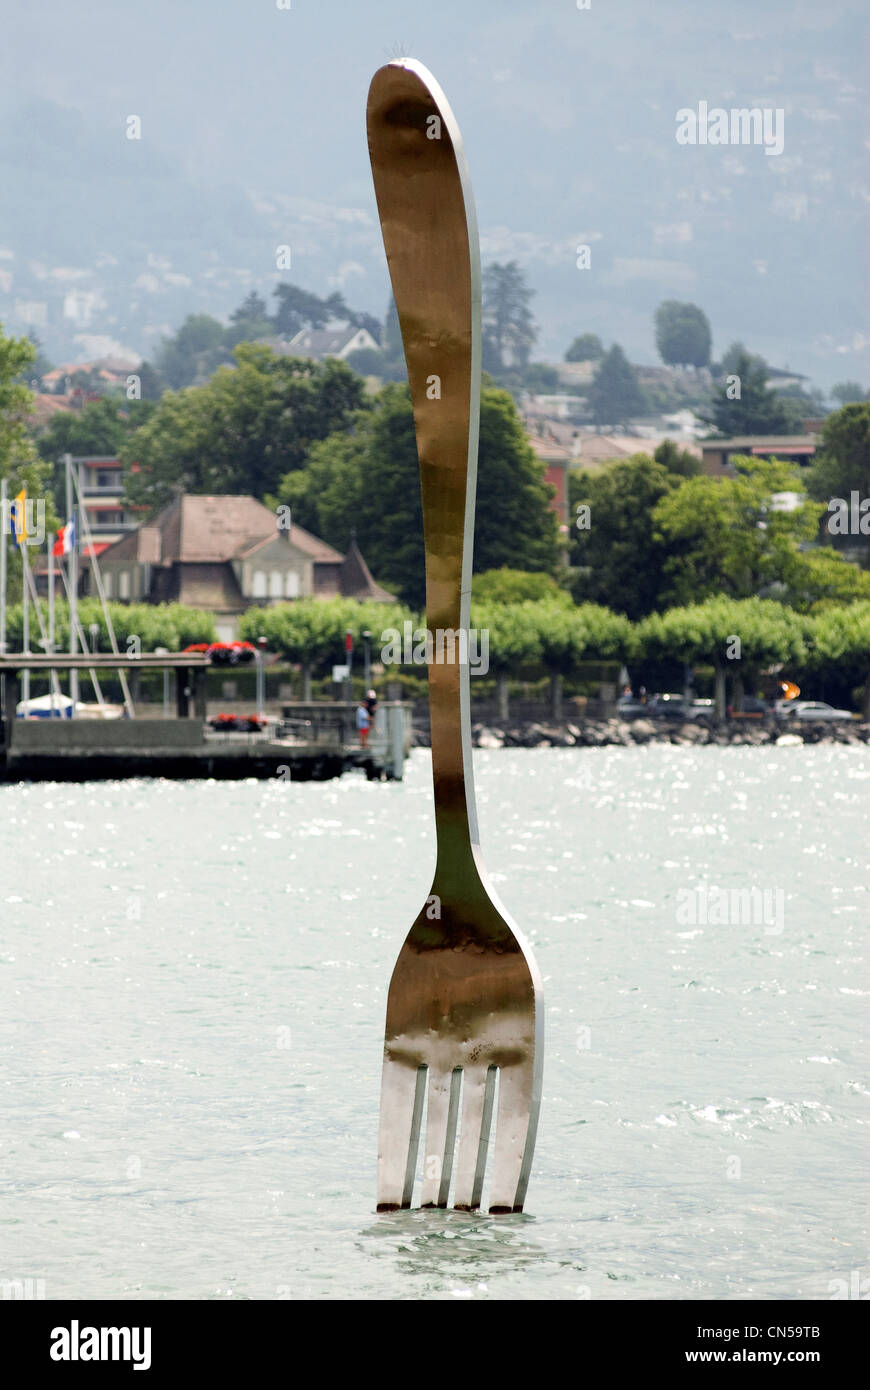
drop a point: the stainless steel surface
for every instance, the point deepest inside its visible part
(464, 1029)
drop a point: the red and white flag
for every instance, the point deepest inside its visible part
(66, 539)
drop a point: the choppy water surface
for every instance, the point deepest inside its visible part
(192, 991)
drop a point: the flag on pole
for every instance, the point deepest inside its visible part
(18, 515)
(66, 539)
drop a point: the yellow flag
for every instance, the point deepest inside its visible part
(19, 517)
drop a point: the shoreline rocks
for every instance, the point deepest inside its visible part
(600, 733)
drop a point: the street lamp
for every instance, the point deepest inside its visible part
(348, 659)
(367, 656)
(94, 630)
(164, 651)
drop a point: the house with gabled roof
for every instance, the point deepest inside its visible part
(338, 341)
(227, 554)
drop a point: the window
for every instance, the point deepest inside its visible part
(259, 583)
(124, 584)
(291, 584)
(276, 586)
(107, 583)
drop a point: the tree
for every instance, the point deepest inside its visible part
(615, 395)
(849, 392)
(507, 585)
(151, 384)
(676, 460)
(392, 338)
(20, 464)
(538, 377)
(311, 631)
(570, 634)
(728, 535)
(249, 322)
(393, 367)
(621, 561)
(193, 353)
(244, 430)
(819, 579)
(171, 625)
(731, 358)
(739, 638)
(508, 329)
(514, 637)
(841, 638)
(366, 361)
(360, 319)
(682, 334)
(35, 370)
(298, 309)
(368, 482)
(842, 462)
(744, 404)
(587, 348)
(100, 427)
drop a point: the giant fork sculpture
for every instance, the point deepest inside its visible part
(465, 1004)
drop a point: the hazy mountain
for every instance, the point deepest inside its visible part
(253, 136)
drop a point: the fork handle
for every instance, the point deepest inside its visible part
(430, 236)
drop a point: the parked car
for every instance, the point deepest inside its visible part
(818, 709)
(630, 707)
(668, 707)
(702, 709)
(753, 708)
(784, 709)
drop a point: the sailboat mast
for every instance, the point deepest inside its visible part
(73, 582)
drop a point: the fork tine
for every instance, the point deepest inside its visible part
(403, 1087)
(441, 1118)
(478, 1085)
(514, 1137)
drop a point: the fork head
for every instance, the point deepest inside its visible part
(465, 1024)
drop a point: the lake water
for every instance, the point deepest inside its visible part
(192, 991)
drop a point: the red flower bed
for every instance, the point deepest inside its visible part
(238, 723)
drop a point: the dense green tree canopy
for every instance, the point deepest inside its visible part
(729, 535)
(842, 462)
(732, 356)
(676, 460)
(508, 329)
(840, 637)
(170, 625)
(249, 321)
(744, 404)
(847, 392)
(682, 334)
(570, 634)
(367, 482)
(193, 353)
(298, 308)
(244, 430)
(311, 631)
(619, 557)
(767, 633)
(615, 395)
(819, 579)
(507, 585)
(20, 464)
(100, 427)
(514, 635)
(588, 347)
